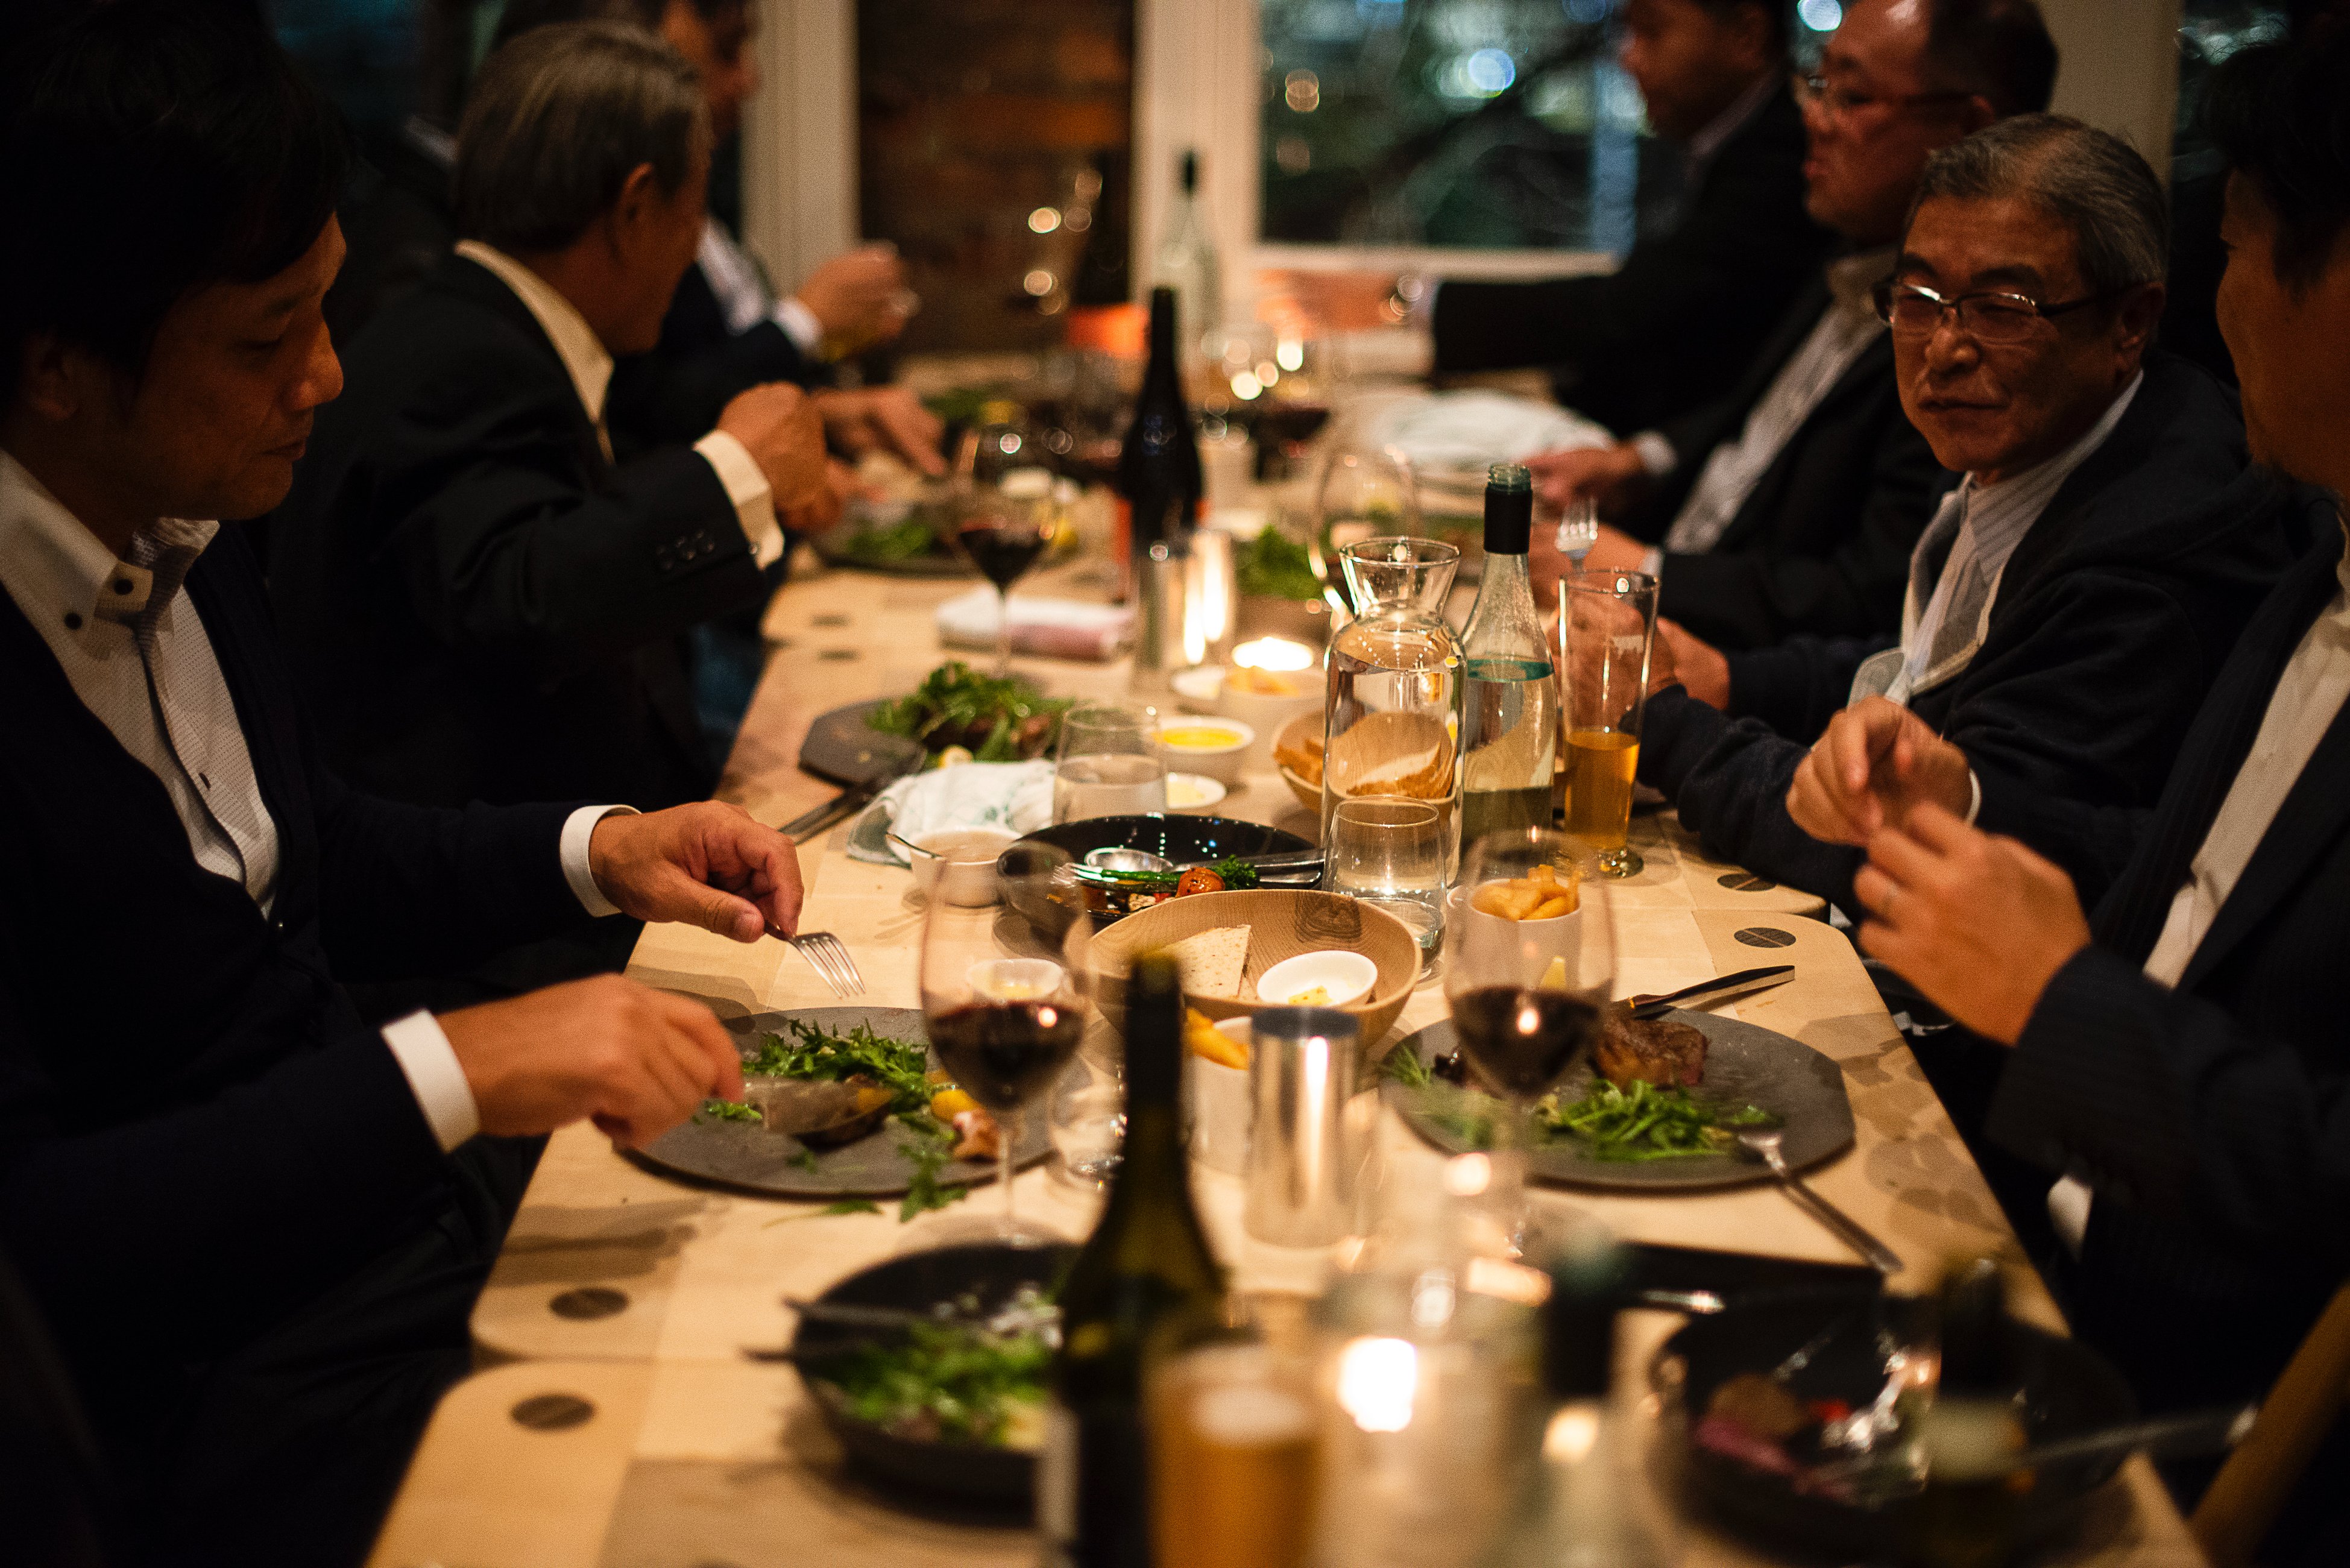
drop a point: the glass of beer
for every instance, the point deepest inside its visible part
(1607, 621)
(1232, 1444)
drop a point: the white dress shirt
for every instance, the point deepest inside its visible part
(743, 297)
(134, 649)
(589, 365)
(1843, 331)
(2308, 697)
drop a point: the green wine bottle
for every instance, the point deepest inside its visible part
(1147, 1265)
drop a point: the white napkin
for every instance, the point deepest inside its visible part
(1016, 797)
(1056, 628)
(1474, 427)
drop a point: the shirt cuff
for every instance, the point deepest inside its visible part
(577, 829)
(1657, 455)
(1974, 793)
(430, 1063)
(800, 325)
(746, 487)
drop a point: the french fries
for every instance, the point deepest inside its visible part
(1199, 1034)
(1538, 897)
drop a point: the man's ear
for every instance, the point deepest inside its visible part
(50, 384)
(1975, 113)
(1758, 42)
(2137, 317)
(632, 211)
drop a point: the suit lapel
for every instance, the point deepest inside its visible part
(1873, 363)
(470, 280)
(2132, 915)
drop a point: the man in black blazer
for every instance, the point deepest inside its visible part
(2078, 590)
(486, 606)
(2180, 1060)
(254, 1223)
(1791, 505)
(1672, 327)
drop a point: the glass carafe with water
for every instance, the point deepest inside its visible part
(1391, 718)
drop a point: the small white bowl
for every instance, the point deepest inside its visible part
(1218, 1099)
(1193, 792)
(961, 867)
(1197, 685)
(1221, 761)
(1347, 976)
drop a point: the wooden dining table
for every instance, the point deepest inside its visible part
(615, 1422)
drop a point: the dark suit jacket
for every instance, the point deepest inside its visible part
(198, 1136)
(675, 393)
(1823, 543)
(481, 606)
(2114, 615)
(2213, 1121)
(1672, 327)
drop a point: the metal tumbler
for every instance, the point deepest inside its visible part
(1303, 1152)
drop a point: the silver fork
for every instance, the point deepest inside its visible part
(1578, 529)
(828, 956)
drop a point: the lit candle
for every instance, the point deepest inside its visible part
(1274, 653)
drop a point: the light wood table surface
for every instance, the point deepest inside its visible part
(634, 1295)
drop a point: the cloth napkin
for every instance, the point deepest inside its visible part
(1054, 628)
(1472, 428)
(1016, 797)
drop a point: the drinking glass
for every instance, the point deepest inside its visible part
(1526, 993)
(1108, 763)
(1390, 853)
(1607, 621)
(1006, 512)
(1005, 1026)
(1363, 492)
(1231, 1416)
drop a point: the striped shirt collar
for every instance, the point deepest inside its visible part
(65, 581)
(584, 356)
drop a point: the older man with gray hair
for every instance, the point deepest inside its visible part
(484, 606)
(2075, 594)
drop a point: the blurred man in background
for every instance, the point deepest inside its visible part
(1791, 505)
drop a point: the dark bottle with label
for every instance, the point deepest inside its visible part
(1158, 466)
(1146, 1266)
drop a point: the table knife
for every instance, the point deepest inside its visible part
(1653, 1006)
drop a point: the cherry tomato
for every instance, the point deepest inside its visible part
(1198, 879)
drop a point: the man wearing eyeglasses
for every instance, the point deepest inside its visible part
(1791, 505)
(2074, 594)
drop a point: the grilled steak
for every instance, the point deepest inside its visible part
(1665, 1053)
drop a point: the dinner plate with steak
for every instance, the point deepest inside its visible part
(1657, 1104)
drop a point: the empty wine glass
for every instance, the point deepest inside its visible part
(1006, 510)
(1532, 964)
(1004, 1024)
(1363, 492)
(1108, 763)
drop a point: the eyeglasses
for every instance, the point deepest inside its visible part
(1842, 102)
(1994, 315)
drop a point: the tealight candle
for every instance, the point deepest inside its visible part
(1277, 653)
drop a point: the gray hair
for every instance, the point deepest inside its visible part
(2088, 179)
(560, 120)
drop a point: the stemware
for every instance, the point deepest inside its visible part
(1362, 492)
(1527, 994)
(1006, 510)
(1606, 624)
(1004, 1024)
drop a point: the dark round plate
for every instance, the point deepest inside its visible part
(1179, 838)
(747, 1156)
(918, 1281)
(2068, 1389)
(1743, 1065)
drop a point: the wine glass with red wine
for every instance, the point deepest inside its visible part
(1533, 965)
(1005, 1014)
(1006, 508)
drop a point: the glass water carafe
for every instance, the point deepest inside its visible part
(1391, 715)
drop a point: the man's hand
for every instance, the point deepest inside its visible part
(1875, 763)
(1612, 476)
(708, 865)
(633, 1060)
(891, 417)
(859, 296)
(1979, 923)
(1679, 654)
(779, 425)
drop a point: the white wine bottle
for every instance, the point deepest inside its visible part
(1509, 704)
(1146, 1266)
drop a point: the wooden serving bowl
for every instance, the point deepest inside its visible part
(1294, 734)
(1283, 922)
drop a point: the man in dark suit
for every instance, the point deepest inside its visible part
(2180, 1060)
(486, 606)
(254, 1223)
(2079, 589)
(1791, 505)
(1672, 328)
